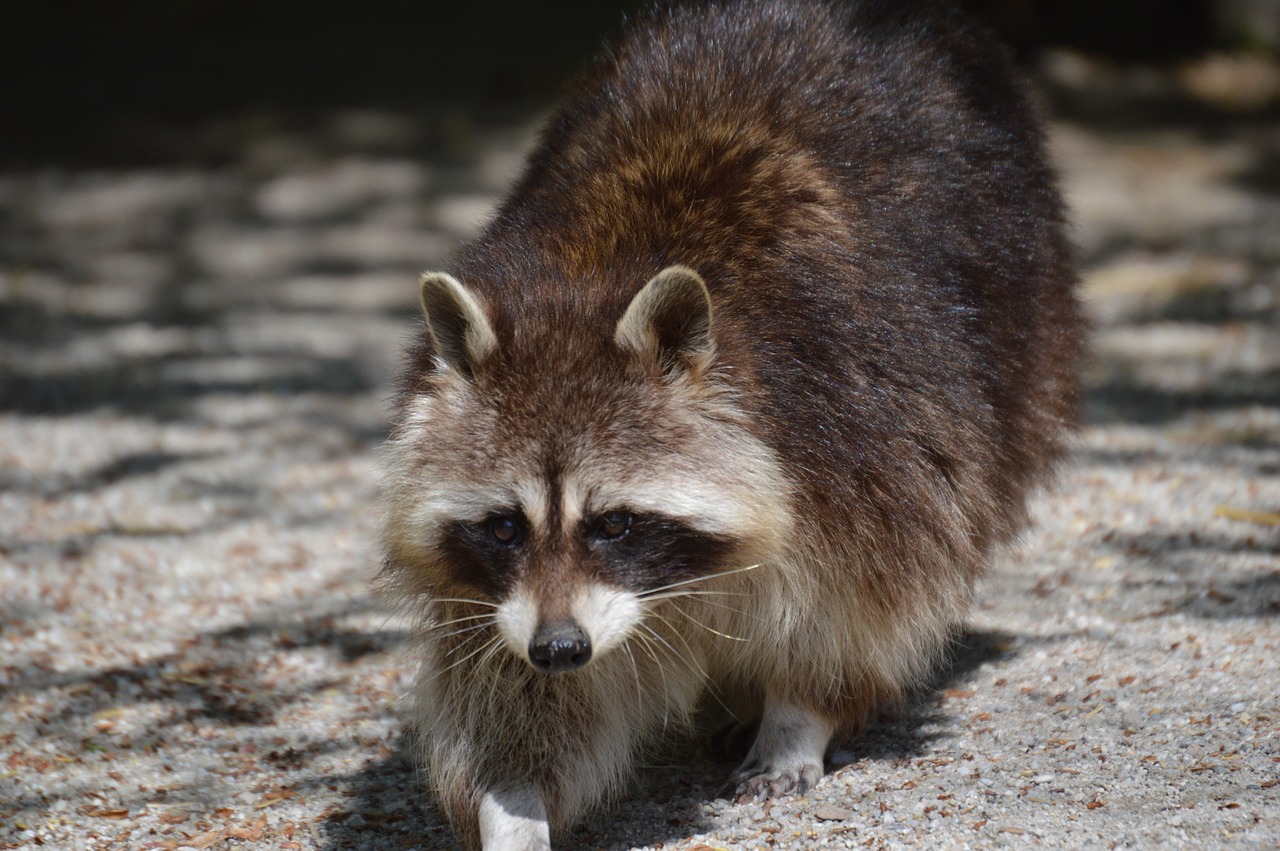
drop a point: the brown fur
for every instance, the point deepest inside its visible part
(892, 367)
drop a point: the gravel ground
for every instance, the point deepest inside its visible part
(194, 367)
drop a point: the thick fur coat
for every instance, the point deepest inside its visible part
(785, 296)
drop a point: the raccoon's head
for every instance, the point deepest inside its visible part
(564, 470)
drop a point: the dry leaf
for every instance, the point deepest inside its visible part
(273, 798)
(953, 693)
(252, 834)
(204, 840)
(1266, 518)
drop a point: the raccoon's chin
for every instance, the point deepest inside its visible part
(599, 618)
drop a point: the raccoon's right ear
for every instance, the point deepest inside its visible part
(669, 320)
(459, 327)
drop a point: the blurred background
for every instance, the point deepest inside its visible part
(95, 80)
(179, 157)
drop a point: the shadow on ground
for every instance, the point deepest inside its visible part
(671, 789)
(210, 688)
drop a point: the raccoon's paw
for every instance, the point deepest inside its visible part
(787, 754)
(512, 818)
(758, 782)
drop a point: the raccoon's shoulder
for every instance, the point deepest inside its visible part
(793, 69)
(740, 124)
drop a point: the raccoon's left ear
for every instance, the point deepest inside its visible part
(669, 320)
(459, 327)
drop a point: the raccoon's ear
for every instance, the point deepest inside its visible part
(459, 327)
(669, 320)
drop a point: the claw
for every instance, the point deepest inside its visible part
(763, 785)
(786, 757)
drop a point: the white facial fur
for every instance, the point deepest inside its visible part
(607, 615)
(517, 620)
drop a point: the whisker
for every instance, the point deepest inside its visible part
(697, 622)
(488, 616)
(648, 647)
(706, 678)
(463, 643)
(495, 640)
(734, 609)
(695, 592)
(660, 639)
(494, 648)
(635, 669)
(690, 660)
(494, 678)
(697, 579)
(662, 672)
(675, 595)
(464, 600)
(471, 628)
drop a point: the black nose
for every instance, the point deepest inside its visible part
(558, 647)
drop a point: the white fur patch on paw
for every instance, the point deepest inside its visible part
(513, 819)
(786, 756)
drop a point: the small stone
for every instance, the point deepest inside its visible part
(828, 812)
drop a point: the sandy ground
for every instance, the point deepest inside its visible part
(194, 368)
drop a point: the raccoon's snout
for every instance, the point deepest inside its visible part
(558, 647)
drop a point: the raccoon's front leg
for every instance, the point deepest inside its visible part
(513, 818)
(787, 754)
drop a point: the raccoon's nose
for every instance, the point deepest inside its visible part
(558, 647)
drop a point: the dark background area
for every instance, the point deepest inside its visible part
(79, 71)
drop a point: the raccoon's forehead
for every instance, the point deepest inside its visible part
(560, 497)
(560, 459)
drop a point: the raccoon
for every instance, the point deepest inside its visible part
(732, 400)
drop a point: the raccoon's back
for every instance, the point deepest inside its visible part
(864, 189)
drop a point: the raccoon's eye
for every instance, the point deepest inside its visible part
(613, 525)
(504, 529)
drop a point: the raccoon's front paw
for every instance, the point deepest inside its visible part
(755, 782)
(787, 754)
(512, 818)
